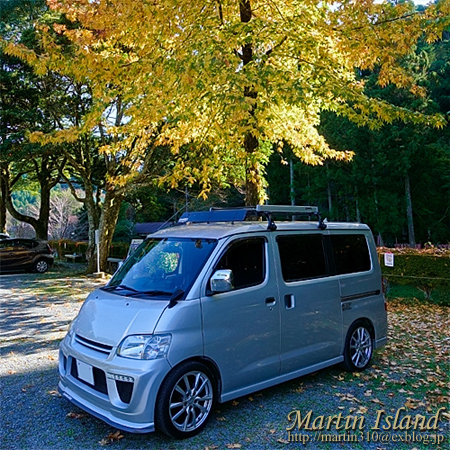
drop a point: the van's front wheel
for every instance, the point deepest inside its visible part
(185, 400)
(358, 347)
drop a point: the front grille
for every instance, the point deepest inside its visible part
(102, 348)
(99, 378)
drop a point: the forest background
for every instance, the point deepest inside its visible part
(64, 172)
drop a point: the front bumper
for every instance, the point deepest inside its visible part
(131, 408)
(108, 418)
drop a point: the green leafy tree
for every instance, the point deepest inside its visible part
(28, 104)
(374, 188)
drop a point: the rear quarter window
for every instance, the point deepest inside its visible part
(351, 253)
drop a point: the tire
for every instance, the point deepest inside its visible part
(41, 266)
(358, 347)
(185, 400)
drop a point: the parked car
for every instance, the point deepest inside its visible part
(25, 254)
(218, 308)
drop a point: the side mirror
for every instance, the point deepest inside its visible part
(222, 281)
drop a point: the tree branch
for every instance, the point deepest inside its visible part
(72, 188)
(276, 46)
(382, 22)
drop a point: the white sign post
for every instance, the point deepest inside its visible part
(97, 243)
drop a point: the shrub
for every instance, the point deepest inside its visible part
(425, 269)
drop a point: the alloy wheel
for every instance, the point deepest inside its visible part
(360, 347)
(191, 401)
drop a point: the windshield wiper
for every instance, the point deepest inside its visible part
(129, 288)
(120, 286)
(108, 288)
(175, 296)
(152, 293)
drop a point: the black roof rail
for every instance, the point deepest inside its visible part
(240, 214)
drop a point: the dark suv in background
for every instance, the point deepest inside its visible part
(25, 254)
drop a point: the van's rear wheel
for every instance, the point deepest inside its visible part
(358, 347)
(185, 400)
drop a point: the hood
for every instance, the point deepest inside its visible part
(107, 318)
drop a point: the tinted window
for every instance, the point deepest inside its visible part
(351, 253)
(302, 256)
(23, 243)
(6, 244)
(245, 258)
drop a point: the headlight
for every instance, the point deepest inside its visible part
(151, 346)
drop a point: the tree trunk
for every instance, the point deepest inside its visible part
(347, 212)
(291, 181)
(108, 221)
(358, 212)
(409, 213)
(16, 214)
(44, 213)
(329, 191)
(253, 182)
(2, 206)
(377, 220)
(253, 178)
(47, 182)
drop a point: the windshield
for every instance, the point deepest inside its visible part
(162, 268)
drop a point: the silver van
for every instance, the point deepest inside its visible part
(217, 308)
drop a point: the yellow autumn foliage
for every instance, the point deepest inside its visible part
(178, 68)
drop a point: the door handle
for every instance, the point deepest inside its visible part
(289, 301)
(270, 301)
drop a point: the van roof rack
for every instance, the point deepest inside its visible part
(240, 214)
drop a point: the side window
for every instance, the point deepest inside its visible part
(20, 243)
(351, 253)
(302, 256)
(246, 258)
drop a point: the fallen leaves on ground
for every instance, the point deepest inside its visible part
(111, 438)
(412, 369)
(418, 344)
(347, 397)
(27, 387)
(54, 393)
(74, 415)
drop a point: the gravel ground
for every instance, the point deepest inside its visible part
(35, 313)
